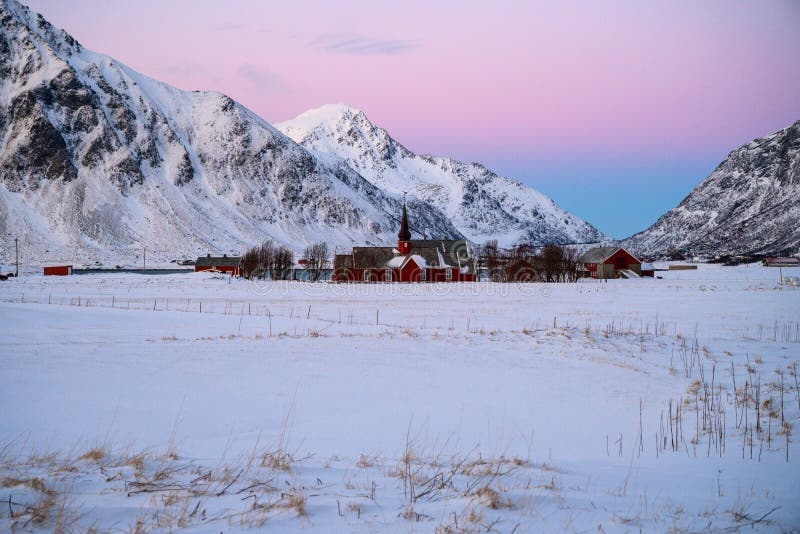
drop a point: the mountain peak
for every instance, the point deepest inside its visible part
(749, 204)
(12, 10)
(481, 204)
(329, 113)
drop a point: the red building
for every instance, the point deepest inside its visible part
(58, 270)
(607, 262)
(413, 260)
(223, 264)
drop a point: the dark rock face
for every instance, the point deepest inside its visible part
(749, 204)
(40, 154)
(185, 171)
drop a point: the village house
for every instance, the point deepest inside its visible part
(609, 262)
(58, 270)
(412, 260)
(222, 264)
(781, 262)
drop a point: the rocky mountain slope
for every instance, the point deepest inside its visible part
(481, 204)
(750, 204)
(98, 161)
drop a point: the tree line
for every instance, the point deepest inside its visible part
(271, 260)
(549, 263)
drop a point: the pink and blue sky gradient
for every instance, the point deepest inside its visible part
(615, 109)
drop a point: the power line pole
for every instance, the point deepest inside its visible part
(16, 253)
(144, 259)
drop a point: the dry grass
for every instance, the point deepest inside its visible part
(294, 501)
(36, 484)
(136, 462)
(277, 460)
(139, 526)
(353, 507)
(52, 510)
(365, 462)
(469, 521)
(279, 457)
(95, 454)
(487, 497)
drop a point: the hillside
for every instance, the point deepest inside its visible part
(481, 204)
(98, 161)
(749, 204)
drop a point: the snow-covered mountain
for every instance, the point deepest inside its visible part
(749, 204)
(98, 161)
(481, 204)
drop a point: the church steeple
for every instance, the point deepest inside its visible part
(404, 236)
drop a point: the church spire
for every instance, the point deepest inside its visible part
(404, 236)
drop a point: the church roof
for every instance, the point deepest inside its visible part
(435, 253)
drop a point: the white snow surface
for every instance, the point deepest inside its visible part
(481, 204)
(534, 395)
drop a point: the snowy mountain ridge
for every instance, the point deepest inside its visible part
(481, 204)
(749, 204)
(98, 161)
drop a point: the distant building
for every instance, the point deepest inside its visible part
(780, 262)
(58, 270)
(606, 262)
(413, 260)
(222, 264)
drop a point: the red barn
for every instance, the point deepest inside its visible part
(609, 262)
(223, 264)
(413, 260)
(58, 270)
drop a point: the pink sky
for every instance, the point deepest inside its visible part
(509, 84)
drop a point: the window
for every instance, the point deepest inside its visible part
(366, 276)
(448, 274)
(423, 275)
(388, 276)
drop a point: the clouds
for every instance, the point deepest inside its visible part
(260, 79)
(359, 45)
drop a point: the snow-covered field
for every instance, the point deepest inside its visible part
(192, 402)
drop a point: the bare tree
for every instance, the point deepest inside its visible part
(282, 262)
(491, 258)
(558, 263)
(570, 264)
(521, 251)
(257, 260)
(267, 258)
(316, 259)
(551, 262)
